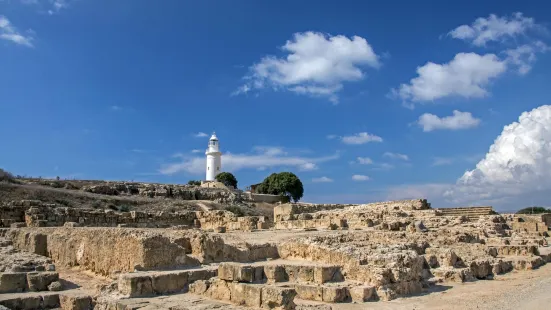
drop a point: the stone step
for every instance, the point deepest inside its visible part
(280, 271)
(150, 283)
(336, 293)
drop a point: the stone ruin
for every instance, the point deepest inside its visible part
(321, 253)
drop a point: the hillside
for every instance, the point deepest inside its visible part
(129, 196)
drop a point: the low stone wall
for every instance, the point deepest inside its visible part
(106, 250)
(290, 211)
(40, 215)
(265, 198)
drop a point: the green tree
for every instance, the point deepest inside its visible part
(194, 182)
(227, 178)
(283, 183)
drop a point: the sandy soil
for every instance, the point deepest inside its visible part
(527, 290)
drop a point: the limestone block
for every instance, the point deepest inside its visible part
(274, 273)
(335, 294)
(245, 294)
(13, 282)
(135, 285)
(71, 224)
(309, 292)
(278, 298)
(199, 287)
(18, 225)
(50, 301)
(55, 286)
(39, 281)
(31, 302)
(481, 268)
(75, 302)
(165, 283)
(323, 274)
(218, 289)
(24, 303)
(362, 293)
(235, 272)
(200, 274)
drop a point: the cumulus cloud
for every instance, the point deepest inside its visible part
(261, 158)
(493, 28)
(361, 138)
(467, 75)
(359, 177)
(517, 164)
(9, 33)
(459, 120)
(316, 64)
(322, 180)
(396, 156)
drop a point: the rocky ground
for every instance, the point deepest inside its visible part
(388, 255)
(78, 198)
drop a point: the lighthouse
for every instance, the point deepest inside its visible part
(214, 158)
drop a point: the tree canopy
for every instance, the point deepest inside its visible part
(533, 210)
(194, 182)
(283, 183)
(227, 178)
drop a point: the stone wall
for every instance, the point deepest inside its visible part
(40, 215)
(291, 211)
(106, 250)
(265, 198)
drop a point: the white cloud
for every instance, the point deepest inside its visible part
(524, 56)
(322, 180)
(493, 28)
(364, 161)
(396, 156)
(359, 177)
(316, 65)
(255, 160)
(516, 165)
(196, 151)
(200, 135)
(331, 137)
(361, 138)
(9, 33)
(308, 167)
(459, 120)
(467, 75)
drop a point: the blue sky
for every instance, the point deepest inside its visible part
(363, 101)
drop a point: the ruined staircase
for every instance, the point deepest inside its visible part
(473, 213)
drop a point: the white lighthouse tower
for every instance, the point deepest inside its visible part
(214, 158)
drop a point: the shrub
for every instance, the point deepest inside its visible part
(6, 176)
(194, 182)
(124, 208)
